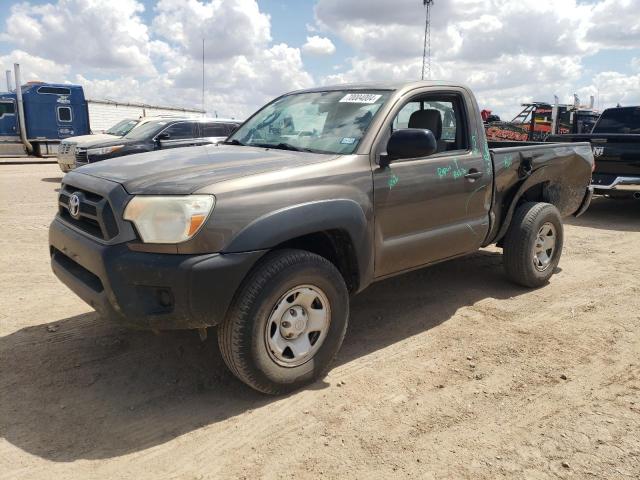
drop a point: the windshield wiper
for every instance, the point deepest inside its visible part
(232, 142)
(281, 146)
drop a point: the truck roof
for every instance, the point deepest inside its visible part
(392, 86)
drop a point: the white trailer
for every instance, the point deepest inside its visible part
(106, 113)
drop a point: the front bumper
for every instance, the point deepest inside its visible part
(147, 290)
(66, 162)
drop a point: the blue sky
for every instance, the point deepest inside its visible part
(509, 52)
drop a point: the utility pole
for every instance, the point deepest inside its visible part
(426, 52)
(203, 75)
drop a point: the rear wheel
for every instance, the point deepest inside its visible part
(533, 244)
(287, 322)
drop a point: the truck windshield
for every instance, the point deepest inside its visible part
(121, 128)
(324, 122)
(619, 120)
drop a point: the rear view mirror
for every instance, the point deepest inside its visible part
(163, 136)
(410, 143)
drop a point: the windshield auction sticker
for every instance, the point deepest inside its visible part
(360, 98)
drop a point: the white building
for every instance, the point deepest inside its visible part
(106, 113)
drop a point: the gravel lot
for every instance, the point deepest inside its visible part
(448, 372)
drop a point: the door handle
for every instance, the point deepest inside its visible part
(473, 174)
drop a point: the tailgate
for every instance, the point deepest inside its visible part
(615, 154)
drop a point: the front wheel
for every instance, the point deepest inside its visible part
(286, 323)
(533, 244)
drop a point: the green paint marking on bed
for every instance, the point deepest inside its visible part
(507, 161)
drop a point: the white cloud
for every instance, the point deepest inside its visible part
(611, 88)
(615, 24)
(508, 52)
(83, 32)
(35, 68)
(230, 28)
(109, 49)
(317, 45)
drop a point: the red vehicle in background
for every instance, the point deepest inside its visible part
(538, 120)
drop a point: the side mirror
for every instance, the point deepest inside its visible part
(163, 136)
(409, 143)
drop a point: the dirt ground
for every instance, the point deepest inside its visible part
(448, 372)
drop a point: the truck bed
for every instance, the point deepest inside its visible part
(564, 166)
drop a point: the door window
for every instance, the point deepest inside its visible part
(216, 129)
(231, 127)
(442, 115)
(7, 108)
(55, 90)
(64, 114)
(179, 131)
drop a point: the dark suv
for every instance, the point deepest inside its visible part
(159, 134)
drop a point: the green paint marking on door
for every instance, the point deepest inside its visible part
(487, 158)
(393, 181)
(458, 173)
(443, 171)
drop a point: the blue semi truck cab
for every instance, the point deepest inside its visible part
(52, 112)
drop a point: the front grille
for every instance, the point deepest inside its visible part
(64, 148)
(95, 215)
(81, 156)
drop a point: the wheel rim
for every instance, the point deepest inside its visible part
(544, 247)
(298, 325)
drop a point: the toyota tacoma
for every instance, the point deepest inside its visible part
(319, 194)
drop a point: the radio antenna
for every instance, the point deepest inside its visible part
(426, 52)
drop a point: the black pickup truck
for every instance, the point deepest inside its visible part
(319, 194)
(615, 140)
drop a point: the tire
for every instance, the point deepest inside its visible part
(253, 334)
(529, 261)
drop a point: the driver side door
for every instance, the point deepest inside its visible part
(436, 207)
(180, 134)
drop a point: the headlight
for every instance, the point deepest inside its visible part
(168, 219)
(104, 150)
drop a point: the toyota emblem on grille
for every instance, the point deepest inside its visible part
(74, 205)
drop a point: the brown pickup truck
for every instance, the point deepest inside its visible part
(319, 194)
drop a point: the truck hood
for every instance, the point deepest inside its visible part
(86, 140)
(182, 171)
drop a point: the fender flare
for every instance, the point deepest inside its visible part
(296, 221)
(536, 178)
